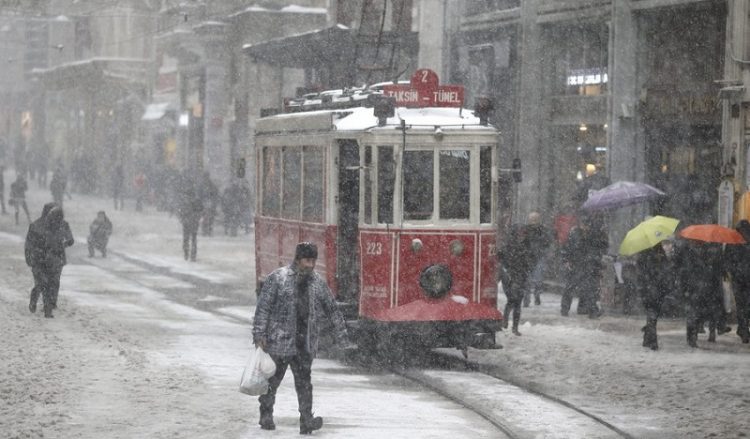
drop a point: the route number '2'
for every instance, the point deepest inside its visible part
(374, 248)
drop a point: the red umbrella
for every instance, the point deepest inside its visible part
(712, 233)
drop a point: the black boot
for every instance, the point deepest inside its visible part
(266, 421)
(309, 423)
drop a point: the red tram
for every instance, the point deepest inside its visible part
(398, 186)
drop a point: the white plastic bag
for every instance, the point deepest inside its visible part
(728, 293)
(254, 381)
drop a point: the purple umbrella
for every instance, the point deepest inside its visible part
(620, 194)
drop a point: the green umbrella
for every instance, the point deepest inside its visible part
(647, 234)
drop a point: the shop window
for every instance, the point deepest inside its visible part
(386, 184)
(582, 56)
(314, 175)
(418, 185)
(292, 183)
(455, 184)
(271, 182)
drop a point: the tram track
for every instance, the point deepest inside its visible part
(504, 402)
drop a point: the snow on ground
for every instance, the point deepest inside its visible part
(121, 358)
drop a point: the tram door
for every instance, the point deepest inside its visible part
(347, 269)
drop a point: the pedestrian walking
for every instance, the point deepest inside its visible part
(58, 184)
(699, 272)
(656, 280)
(99, 232)
(738, 263)
(582, 258)
(232, 208)
(515, 260)
(118, 187)
(290, 310)
(45, 246)
(190, 212)
(18, 196)
(139, 181)
(538, 239)
(211, 197)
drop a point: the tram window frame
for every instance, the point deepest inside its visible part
(313, 184)
(385, 184)
(271, 185)
(446, 191)
(367, 186)
(420, 176)
(485, 184)
(291, 192)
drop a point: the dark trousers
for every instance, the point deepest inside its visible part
(586, 287)
(190, 240)
(301, 365)
(97, 245)
(514, 292)
(46, 283)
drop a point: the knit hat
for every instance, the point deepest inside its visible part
(306, 250)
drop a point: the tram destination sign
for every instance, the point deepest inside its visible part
(424, 90)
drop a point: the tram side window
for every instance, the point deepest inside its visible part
(386, 184)
(368, 185)
(271, 182)
(418, 185)
(455, 184)
(312, 197)
(292, 183)
(485, 185)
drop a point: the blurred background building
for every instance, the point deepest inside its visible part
(586, 92)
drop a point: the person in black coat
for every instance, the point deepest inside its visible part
(45, 246)
(538, 239)
(655, 281)
(738, 266)
(582, 258)
(18, 196)
(190, 212)
(699, 273)
(58, 185)
(210, 195)
(515, 260)
(99, 232)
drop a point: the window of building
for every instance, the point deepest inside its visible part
(455, 184)
(581, 58)
(474, 7)
(418, 179)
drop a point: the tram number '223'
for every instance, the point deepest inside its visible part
(373, 248)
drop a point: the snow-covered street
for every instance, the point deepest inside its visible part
(145, 344)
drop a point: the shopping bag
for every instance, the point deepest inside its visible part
(253, 381)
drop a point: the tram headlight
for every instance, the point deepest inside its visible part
(436, 280)
(416, 245)
(457, 247)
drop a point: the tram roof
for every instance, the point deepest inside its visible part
(362, 118)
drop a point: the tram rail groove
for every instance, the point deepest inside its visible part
(457, 362)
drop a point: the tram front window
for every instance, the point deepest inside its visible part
(418, 185)
(455, 184)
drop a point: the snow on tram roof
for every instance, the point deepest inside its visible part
(362, 118)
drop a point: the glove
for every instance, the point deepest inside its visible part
(260, 342)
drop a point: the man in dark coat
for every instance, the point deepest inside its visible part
(232, 208)
(655, 281)
(538, 239)
(738, 265)
(190, 212)
(700, 270)
(45, 246)
(210, 195)
(582, 257)
(290, 310)
(58, 185)
(515, 260)
(18, 196)
(99, 232)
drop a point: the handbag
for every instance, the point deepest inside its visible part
(254, 379)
